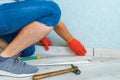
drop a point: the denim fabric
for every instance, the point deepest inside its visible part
(14, 16)
(28, 51)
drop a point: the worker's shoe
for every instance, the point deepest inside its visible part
(16, 68)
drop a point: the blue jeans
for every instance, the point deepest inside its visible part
(15, 16)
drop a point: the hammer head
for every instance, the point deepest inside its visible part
(75, 69)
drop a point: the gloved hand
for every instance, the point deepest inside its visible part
(77, 47)
(46, 42)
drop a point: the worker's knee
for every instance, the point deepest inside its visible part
(52, 13)
(56, 9)
(56, 13)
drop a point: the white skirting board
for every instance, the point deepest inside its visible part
(111, 53)
(65, 51)
(58, 51)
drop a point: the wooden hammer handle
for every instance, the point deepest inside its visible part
(40, 76)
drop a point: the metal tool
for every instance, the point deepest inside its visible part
(73, 69)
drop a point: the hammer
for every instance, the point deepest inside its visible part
(73, 69)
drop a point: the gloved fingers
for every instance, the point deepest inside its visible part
(49, 43)
(80, 53)
(47, 47)
(77, 53)
(83, 49)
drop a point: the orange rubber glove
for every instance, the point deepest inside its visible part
(46, 42)
(77, 47)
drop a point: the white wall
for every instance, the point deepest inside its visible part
(96, 23)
